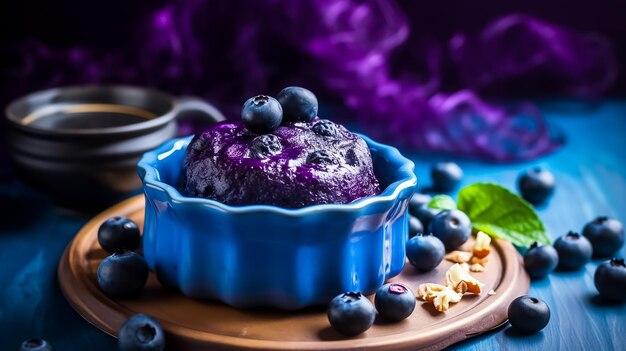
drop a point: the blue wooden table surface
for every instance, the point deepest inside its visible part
(591, 180)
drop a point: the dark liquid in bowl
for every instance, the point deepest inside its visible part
(86, 116)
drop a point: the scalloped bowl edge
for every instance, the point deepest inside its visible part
(251, 258)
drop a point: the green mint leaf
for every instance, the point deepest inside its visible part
(502, 214)
(442, 202)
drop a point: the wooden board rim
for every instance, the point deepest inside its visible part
(87, 300)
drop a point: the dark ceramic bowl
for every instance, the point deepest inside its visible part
(80, 145)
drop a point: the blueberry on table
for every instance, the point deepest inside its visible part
(606, 236)
(528, 314)
(446, 176)
(141, 333)
(610, 279)
(262, 114)
(540, 261)
(536, 185)
(425, 251)
(35, 345)
(265, 145)
(425, 214)
(415, 226)
(394, 302)
(574, 251)
(299, 104)
(122, 274)
(416, 201)
(452, 227)
(118, 234)
(351, 313)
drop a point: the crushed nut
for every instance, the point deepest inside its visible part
(476, 260)
(476, 267)
(461, 288)
(458, 256)
(458, 282)
(481, 247)
(456, 276)
(440, 296)
(444, 298)
(428, 291)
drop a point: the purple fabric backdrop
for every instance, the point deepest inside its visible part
(400, 85)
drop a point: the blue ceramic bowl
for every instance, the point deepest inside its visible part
(262, 255)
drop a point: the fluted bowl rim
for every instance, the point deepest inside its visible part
(404, 178)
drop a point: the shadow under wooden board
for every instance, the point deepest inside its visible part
(209, 325)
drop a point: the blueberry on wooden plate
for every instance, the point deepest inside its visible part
(299, 104)
(122, 274)
(416, 201)
(35, 345)
(141, 333)
(118, 234)
(540, 260)
(452, 227)
(425, 251)
(528, 314)
(262, 114)
(446, 176)
(425, 214)
(536, 185)
(574, 251)
(415, 226)
(351, 313)
(394, 302)
(610, 279)
(606, 236)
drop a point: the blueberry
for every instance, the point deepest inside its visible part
(298, 104)
(453, 227)
(394, 302)
(446, 176)
(35, 345)
(425, 251)
(528, 314)
(265, 145)
(122, 274)
(325, 128)
(118, 234)
(415, 226)
(321, 157)
(351, 313)
(416, 201)
(574, 251)
(606, 236)
(540, 261)
(425, 214)
(262, 114)
(141, 333)
(536, 185)
(610, 279)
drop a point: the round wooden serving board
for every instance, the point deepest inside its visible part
(210, 325)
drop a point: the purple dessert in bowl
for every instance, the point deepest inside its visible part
(297, 165)
(288, 217)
